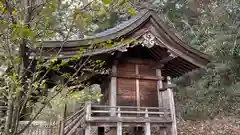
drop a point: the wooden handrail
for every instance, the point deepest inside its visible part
(100, 109)
(70, 125)
(129, 107)
(131, 112)
(74, 115)
(74, 128)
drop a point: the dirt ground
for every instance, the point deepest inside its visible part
(218, 126)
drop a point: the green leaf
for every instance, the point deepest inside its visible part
(66, 75)
(109, 41)
(106, 2)
(82, 50)
(14, 12)
(13, 76)
(98, 61)
(132, 11)
(17, 60)
(53, 60)
(51, 34)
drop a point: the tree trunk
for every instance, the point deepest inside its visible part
(8, 121)
(15, 102)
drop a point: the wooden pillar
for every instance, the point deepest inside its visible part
(172, 108)
(159, 86)
(101, 131)
(113, 97)
(147, 124)
(119, 124)
(88, 110)
(160, 96)
(137, 86)
(88, 116)
(113, 91)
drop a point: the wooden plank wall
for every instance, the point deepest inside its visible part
(133, 90)
(126, 87)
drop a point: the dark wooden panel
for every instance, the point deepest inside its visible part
(126, 69)
(126, 92)
(148, 93)
(147, 70)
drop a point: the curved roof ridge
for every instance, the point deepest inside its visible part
(175, 37)
(122, 25)
(109, 34)
(169, 37)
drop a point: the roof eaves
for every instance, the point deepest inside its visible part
(110, 34)
(179, 42)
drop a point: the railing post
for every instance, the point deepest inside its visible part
(88, 110)
(88, 130)
(88, 117)
(119, 124)
(147, 126)
(172, 108)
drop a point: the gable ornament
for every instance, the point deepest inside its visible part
(148, 40)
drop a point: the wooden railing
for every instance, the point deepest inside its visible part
(120, 116)
(40, 128)
(74, 122)
(72, 126)
(103, 114)
(126, 113)
(128, 110)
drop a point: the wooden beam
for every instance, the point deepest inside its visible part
(140, 62)
(172, 109)
(166, 60)
(142, 77)
(167, 86)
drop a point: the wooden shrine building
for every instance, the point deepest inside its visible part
(137, 92)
